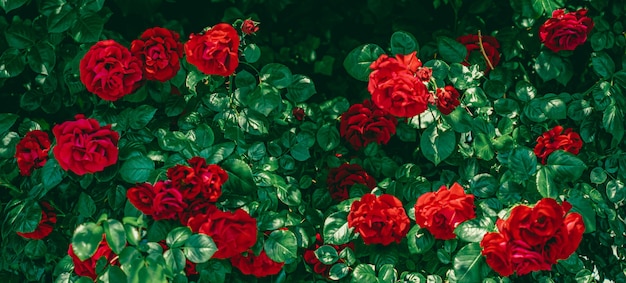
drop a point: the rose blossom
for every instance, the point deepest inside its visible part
(556, 139)
(31, 151)
(142, 197)
(232, 232)
(565, 31)
(160, 50)
(298, 113)
(533, 239)
(83, 146)
(168, 201)
(447, 99)
(379, 220)
(395, 87)
(342, 178)
(87, 267)
(366, 123)
(257, 265)
(442, 211)
(110, 71)
(249, 27)
(44, 228)
(490, 46)
(216, 52)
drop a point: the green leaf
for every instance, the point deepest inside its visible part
(327, 254)
(336, 231)
(613, 122)
(364, 273)
(584, 276)
(41, 57)
(239, 176)
(289, 194)
(483, 146)
(12, 63)
(584, 206)
(437, 143)
(175, 259)
(551, 66)
(20, 35)
(6, 121)
(252, 53)
(115, 235)
(281, 246)
(300, 151)
(35, 249)
(545, 183)
(115, 274)
(565, 165)
(451, 50)
(277, 75)
(10, 5)
(264, 99)
(358, 61)
(522, 163)
(615, 191)
(27, 216)
(86, 206)
(602, 64)
(86, 239)
(199, 248)
(178, 236)
(328, 137)
(253, 122)
(338, 271)
(61, 19)
(403, 43)
(51, 174)
(419, 240)
(141, 116)
(216, 153)
(597, 175)
(474, 230)
(87, 28)
(301, 89)
(137, 169)
(468, 264)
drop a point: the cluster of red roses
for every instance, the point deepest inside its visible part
(188, 191)
(383, 220)
(82, 146)
(556, 139)
(112, 71)
(533, 239)
(318, 266)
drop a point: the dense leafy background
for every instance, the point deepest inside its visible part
(278, 165)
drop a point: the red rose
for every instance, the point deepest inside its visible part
(379, 220)
(447, 99)
(216, 51)
(232, 232)
(489, 59)
(110, 71)
(497, 253)
(168, 201)
(200, 178)
(160, 50)
(44, 228)
(249, 27)
(88, 266)
(142, 197)
(565, 31)
(533, 239)
(31, 151)
(85, 147)
(555, 139)
(298, 113)
(342, 178)
(366, 123)
(396, 88)
(198, 206)
(257, 265)
(442, 211)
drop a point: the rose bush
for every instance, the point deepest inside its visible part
(402, 141)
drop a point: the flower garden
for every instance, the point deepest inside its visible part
(312, 141)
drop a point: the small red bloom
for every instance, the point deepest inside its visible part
(249, 27)
(447, 99)
(257, 265)
(366, 123)
(160, 50)
(31, 151)
(442, 211)
(298, 113)
(216, 52)
(556, 139)
(342, 178)
(490, 46)
(565, 31)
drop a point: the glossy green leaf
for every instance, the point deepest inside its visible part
(468, 264)
(115, 235)
(358, 61)
(301, 89)
(61, 19)
(12, 63)
(175, 259)
(86, 238)
(281, 246)
(437, 143)
(328, 137)
(326, 254)
(178, 236)
(10, 5)
(239, 176)
(451, 50)
(6, 121)
(602, 64)
(141, 116)
(41, 57)
(252, 53)
(364, 273)
(419, 240)
(336, 230)
(87, 28)
(565, 165)
(137, 169)
(199, 248)
(277, 75)
(403, 43)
